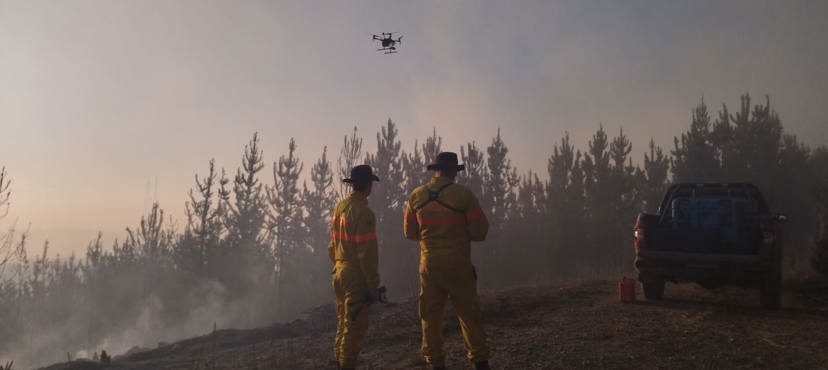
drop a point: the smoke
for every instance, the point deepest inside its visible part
(198, 311)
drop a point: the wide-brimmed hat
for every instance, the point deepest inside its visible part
(362, 173)
(446, 160)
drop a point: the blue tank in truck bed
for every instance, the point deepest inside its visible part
(708, 225)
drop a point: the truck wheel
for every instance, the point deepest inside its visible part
(653, 289)
(771, 294)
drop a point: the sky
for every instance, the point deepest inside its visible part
(106, 106)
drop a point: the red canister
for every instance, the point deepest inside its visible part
(626, 290)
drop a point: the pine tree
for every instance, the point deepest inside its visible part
(656, 169)
(525, 228)
(286, 228)
(499, 184)
(722, 138)
(475, 172)
(498, 201)
(599, 204)
(246, 248)
(758, 140)
(694, 157)
(414, 168)
(388, 198)
(431, 148)
(387, 163)
(198, 252)
(349, 156)
(625, 201)
(564, 209)
(318, 203)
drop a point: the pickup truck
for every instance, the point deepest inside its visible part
(710, 234)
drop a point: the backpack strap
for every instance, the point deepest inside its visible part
(434, 196)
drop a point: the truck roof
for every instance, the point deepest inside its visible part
(715, 189)
(723, 184)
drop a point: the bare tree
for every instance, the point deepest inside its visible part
(199, 249)
(5, 193)
(6, 237)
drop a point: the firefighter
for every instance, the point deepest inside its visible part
(353, 251)
(445, 218)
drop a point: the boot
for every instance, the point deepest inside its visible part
(482, 365)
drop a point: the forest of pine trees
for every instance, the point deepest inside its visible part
(252, 249)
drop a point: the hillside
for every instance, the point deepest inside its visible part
(557, 326)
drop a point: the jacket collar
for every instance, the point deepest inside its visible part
(359, 196)
(437, 182)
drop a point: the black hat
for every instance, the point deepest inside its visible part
(361, 173)
(446, 160)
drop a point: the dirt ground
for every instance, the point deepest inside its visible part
(557, 326)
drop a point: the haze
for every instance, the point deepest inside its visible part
(98, 99)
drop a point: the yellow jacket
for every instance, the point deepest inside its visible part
(354, 238)
(445, 226)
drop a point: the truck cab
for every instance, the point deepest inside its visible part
(711, 234)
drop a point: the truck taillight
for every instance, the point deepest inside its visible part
(638, 234)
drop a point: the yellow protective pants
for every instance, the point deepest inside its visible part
(460, 285)
(351, 293)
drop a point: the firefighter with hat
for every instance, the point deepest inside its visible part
(353, 251)
(445, 218)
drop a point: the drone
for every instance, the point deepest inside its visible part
(387, 42)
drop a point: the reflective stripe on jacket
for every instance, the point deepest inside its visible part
(444, 226)
(354, 237)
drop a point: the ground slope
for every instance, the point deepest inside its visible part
(559, 326)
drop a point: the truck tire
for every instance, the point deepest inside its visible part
(653, 289)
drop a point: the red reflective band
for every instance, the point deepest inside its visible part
(455, 220)
(361, 238)
(475, 215)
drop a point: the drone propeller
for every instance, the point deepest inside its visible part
(399, 40)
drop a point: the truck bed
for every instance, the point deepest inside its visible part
(707, 225)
